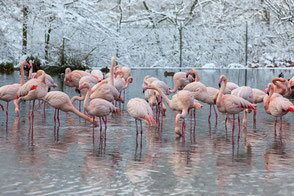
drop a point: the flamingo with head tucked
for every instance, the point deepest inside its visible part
(276, 105)
(282, 87)
(180, 81)
(72, 78)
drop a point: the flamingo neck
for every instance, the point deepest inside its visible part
(21, 74)
(221, 91)
(196, 75)
(86, 105)
(112, 71)
(167, 100)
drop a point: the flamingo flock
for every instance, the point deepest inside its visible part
(100, 96)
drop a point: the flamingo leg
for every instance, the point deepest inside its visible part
(281, 122)
(39, 105)
(194, 113)
(215, 111)
(7, 112)
(209, 113)
(233, 129)
(275, 125)
(33, 115)
(239, 120)
(2, 107)
(254, 116)
(141, 127)
(58, 117)
(55, 116)
(100, 124)
(93, 128)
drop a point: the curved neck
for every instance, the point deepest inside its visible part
(167, 100)
(86, 106)
(221, 91)
(22, 73)
(127, 83)
(74, 110)
(112, 71)
(196, 74)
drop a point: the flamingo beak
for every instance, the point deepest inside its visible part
(144, 89)
(187, 74)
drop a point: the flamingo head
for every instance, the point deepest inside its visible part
(144, 89)
(67, 71)
(84, 85)
(221, 79)
(158, 99)
(187, 74)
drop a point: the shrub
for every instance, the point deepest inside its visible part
(6, 68)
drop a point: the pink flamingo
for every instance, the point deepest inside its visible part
(98, 107)
(60, 101)
(282, 87)
(107, 91)
(276, 105)
(181, 102)
(72, 78)
(246, 93)
(180, 81)
(89, 79)
(97, 73)
(152, 96)
(33, 89)
(201, 92)
(230, 86)
(230, 104)
(9, 92)
(127, 72)
(140, 110)
(48, 79)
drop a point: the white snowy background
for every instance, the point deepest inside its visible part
(152, 33)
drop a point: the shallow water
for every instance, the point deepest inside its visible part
(67, 159)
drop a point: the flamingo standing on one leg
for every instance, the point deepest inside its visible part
(230, 104)
(9, 92)
(60, 101)
(276, 105)
(140, 110)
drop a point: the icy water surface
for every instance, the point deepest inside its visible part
(66, 159)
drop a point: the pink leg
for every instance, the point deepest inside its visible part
(275, 125)
(239, 121)
(141, 127)
(7, 112)
(2, 107)
(100, 125)
(215, 111)
(33, 115)
(281, 122)
(55, 116)
(44, 107)
(58, 117)
(93, 127)
(209, 113)
(136, 125)
(233, 129)
(194, 112)
(39, 105)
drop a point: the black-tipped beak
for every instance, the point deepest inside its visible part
(267, 93)
(219, 85)
(143, 91)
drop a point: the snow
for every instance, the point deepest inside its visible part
(212, 35)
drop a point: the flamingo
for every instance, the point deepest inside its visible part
(33, 89)
(229, 87)
(91, 80)
(180, 81)
(98, 107)
(282, 87)
(9, 92)
(230, 104)
(201, 92)
(107, 91)
(97, 73)
(140, 110)
(181, 102)
(152, 96)
(72, 78)
(60, 101)
(48, 79)
(246, 93)
(127, 72)
(276, 105)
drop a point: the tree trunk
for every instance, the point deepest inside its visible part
(24, 30)
(47, 40)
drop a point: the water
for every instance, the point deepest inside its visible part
(68, 160)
